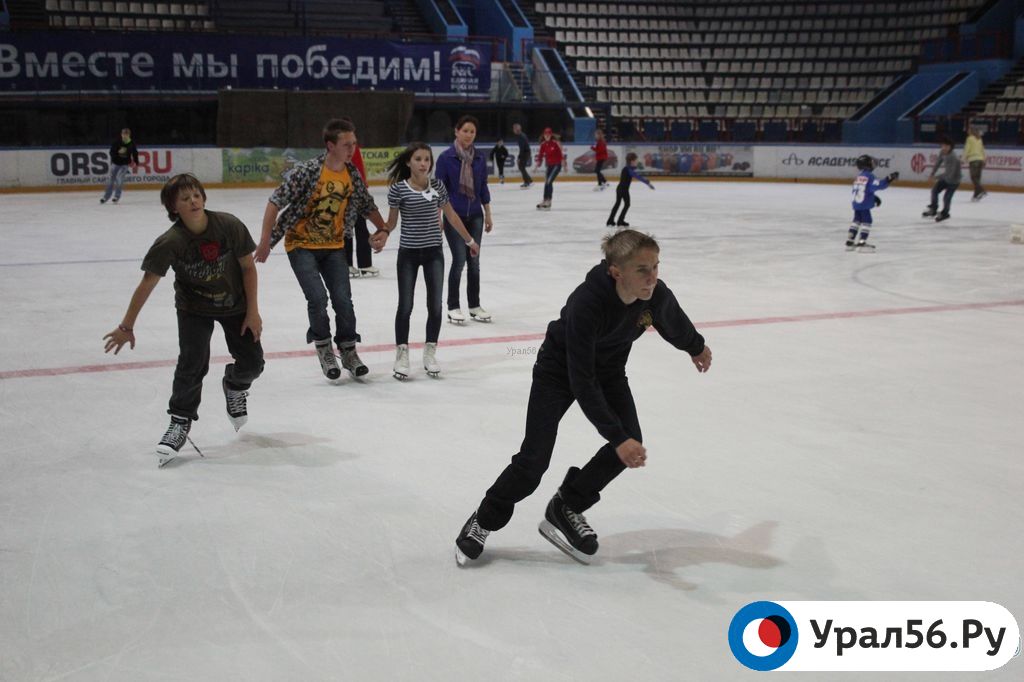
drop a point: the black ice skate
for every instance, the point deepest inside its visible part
(470, 543)
(622, 223)
(850, 245)
(864, 247)
(350, 361)
(568, 531)
(175, 436)
(929, 212)
(235, 399)
(942, 216)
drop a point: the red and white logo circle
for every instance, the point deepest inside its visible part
(918, 163)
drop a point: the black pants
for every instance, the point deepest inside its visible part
(550, 398)
(947, 197)
(194, 334)
(523, 162)
(600, 175)
(364, 253)
(621, 196)
(431, 259)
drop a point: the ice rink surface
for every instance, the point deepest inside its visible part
(859, 437)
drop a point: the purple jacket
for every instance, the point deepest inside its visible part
(447, 170)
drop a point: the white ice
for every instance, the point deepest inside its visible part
(867, 445)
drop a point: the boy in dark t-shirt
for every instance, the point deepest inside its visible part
(214, 280)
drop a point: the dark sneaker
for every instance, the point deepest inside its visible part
(237, 412)
(328, 362)
(470, 543)
(350, 361)
(568, 531)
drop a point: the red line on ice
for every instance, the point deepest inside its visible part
(809, 317)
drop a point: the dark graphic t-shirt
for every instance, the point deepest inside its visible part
(207, 275)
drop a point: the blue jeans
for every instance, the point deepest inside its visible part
(947, 195)
(115, 182)
(549, 180)
(409, 262)
(314, 268)
(460, 257)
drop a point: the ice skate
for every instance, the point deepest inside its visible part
(369, 271)
(525, 185)
(864, 247)
(103, 200)
(430, 359)
(610, 223)
(568, 531)
(115, 200)
(479, 314)
(455, 316)
(238, 413)
(401, 368)
(353, 271)
(850, 245)
(622, 223)
(470, 543)
(328, 363)
(544, 205)
(942, 216)
(981, 196)
(175, 436)
(929, 212)
(350, 361)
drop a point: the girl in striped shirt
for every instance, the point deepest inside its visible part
(419, 200)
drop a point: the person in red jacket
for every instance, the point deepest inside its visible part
(552, 154)
(600, 149)
(360, 241)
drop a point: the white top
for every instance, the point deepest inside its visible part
(420, 212)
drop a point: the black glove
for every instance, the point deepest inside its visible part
(892, 177)
(878, 201)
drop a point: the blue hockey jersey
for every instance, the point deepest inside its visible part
(864, 188)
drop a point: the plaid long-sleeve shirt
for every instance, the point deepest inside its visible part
(295, 193)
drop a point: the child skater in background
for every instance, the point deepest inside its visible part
(214, 281)
(419, 200)
(600, 149)
(552, 154)
(946, 183)
(499, 155)
(629, 172)
(864, 199)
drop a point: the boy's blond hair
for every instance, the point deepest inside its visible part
(619, 247)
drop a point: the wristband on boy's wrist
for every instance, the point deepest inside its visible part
(126, 330)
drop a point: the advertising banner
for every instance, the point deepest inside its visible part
(91, 166)
(107, 61)
(693, 159)
(269, 165)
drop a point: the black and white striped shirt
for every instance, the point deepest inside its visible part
(420, 213)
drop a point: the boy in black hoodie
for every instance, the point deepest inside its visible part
(583, 359)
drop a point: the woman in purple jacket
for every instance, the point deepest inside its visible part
(464, 174)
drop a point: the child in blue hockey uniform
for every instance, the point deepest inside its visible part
(864, 199)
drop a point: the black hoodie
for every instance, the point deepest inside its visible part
(591, 340)
(122, 153)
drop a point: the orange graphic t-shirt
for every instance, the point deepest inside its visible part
(323, 226)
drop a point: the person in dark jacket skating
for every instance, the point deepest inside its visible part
(583, 359)
(124, 156)
(499, 154)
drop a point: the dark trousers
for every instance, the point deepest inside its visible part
(976, 167)
(364, 253)
(409, 263)
(621, 197)
(462, 259)
(194, 334)
(600, 175)
(947, 197)
(550, 397)
(523, 162)
(549, 180)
